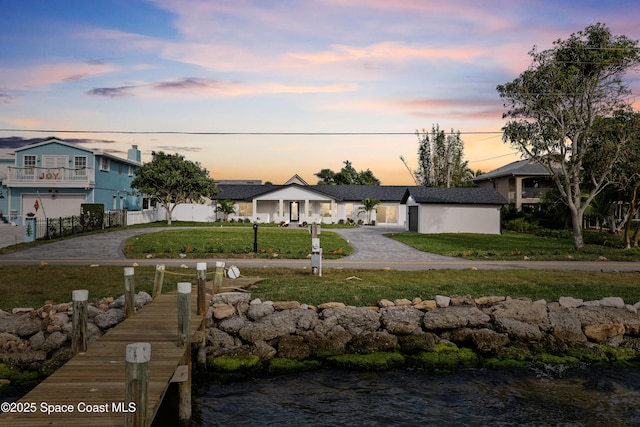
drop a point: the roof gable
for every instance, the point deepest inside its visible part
(519, 168)
(55, 141)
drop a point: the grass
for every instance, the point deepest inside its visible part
(515, 246)
(233, 242)
(31, 286)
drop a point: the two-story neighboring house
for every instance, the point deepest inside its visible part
(52, 178)
(522, 183)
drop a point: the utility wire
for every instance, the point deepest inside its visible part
(233, 133)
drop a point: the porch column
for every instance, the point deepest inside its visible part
(306, 209)
(255, 209)
(334, 216)
(281, 209)
(518, 193)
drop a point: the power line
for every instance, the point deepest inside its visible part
(235, 133)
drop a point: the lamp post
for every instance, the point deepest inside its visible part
(255, 237)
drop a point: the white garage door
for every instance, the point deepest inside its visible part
(59, 206)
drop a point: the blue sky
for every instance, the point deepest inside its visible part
(376, 66)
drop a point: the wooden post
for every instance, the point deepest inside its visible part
(129, 292)
(217, 278)
(138, 356)
(201, 269)
(184, 340)
(79, 321)
(158, 280)
(184, 313)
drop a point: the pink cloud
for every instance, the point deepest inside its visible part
(50, 74)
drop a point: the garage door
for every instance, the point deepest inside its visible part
(59, 205)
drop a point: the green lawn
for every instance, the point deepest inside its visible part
(233, 242)
(31, 286)
(514, 246)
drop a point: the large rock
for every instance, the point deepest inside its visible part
(109, 318)
(372, 342)
(521, 310)
(231, 298)
(454, 317)
(219, 342)
(327, 339)
(519, 331)
(278, 324)
(355, 321)
(232, 325)
(565, 326)
(293, 347)
(401, 320)
(489, 341)
(54, 341)
(258, 311)
(602, 332)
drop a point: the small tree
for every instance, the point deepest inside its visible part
(226, 208)
(368, 205)
(171, 180)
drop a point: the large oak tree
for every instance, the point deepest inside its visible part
(555, 110)
(171, 180)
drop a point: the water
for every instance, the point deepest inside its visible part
(331, 397)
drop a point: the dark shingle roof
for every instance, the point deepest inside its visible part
(384, 193)
(458, 195)
(519, 168)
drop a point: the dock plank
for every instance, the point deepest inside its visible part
(96, 379)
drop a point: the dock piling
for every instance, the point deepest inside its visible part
(138, 356)
(79, 321)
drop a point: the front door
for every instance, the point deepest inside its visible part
(294, 212)
(413, 218)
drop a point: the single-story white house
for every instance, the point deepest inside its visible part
(328, 204)
(438, 210)
(433, 210)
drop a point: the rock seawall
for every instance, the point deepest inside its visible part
(491, 328)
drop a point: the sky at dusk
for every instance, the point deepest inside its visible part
(187, 76)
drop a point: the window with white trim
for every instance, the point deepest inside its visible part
(104, 164)
(80, 165)
(29, 163)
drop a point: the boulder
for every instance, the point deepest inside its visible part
(372, 342)
(401, 320)
(602, 332)
(454, 317)
(109, 318)
(489, 341)
(519, 331)
(517, 309)
(258, 311)
(565, 326)
(223, 311)
(355, 321)
(293, 347)
(231, 298)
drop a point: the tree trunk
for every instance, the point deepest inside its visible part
(576, 225)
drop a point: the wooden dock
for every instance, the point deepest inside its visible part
(90, 389)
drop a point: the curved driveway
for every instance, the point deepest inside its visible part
(372, 250)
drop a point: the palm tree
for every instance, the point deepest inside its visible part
(226, 208)
(368, 205)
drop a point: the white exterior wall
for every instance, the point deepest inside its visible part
(482, 219)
